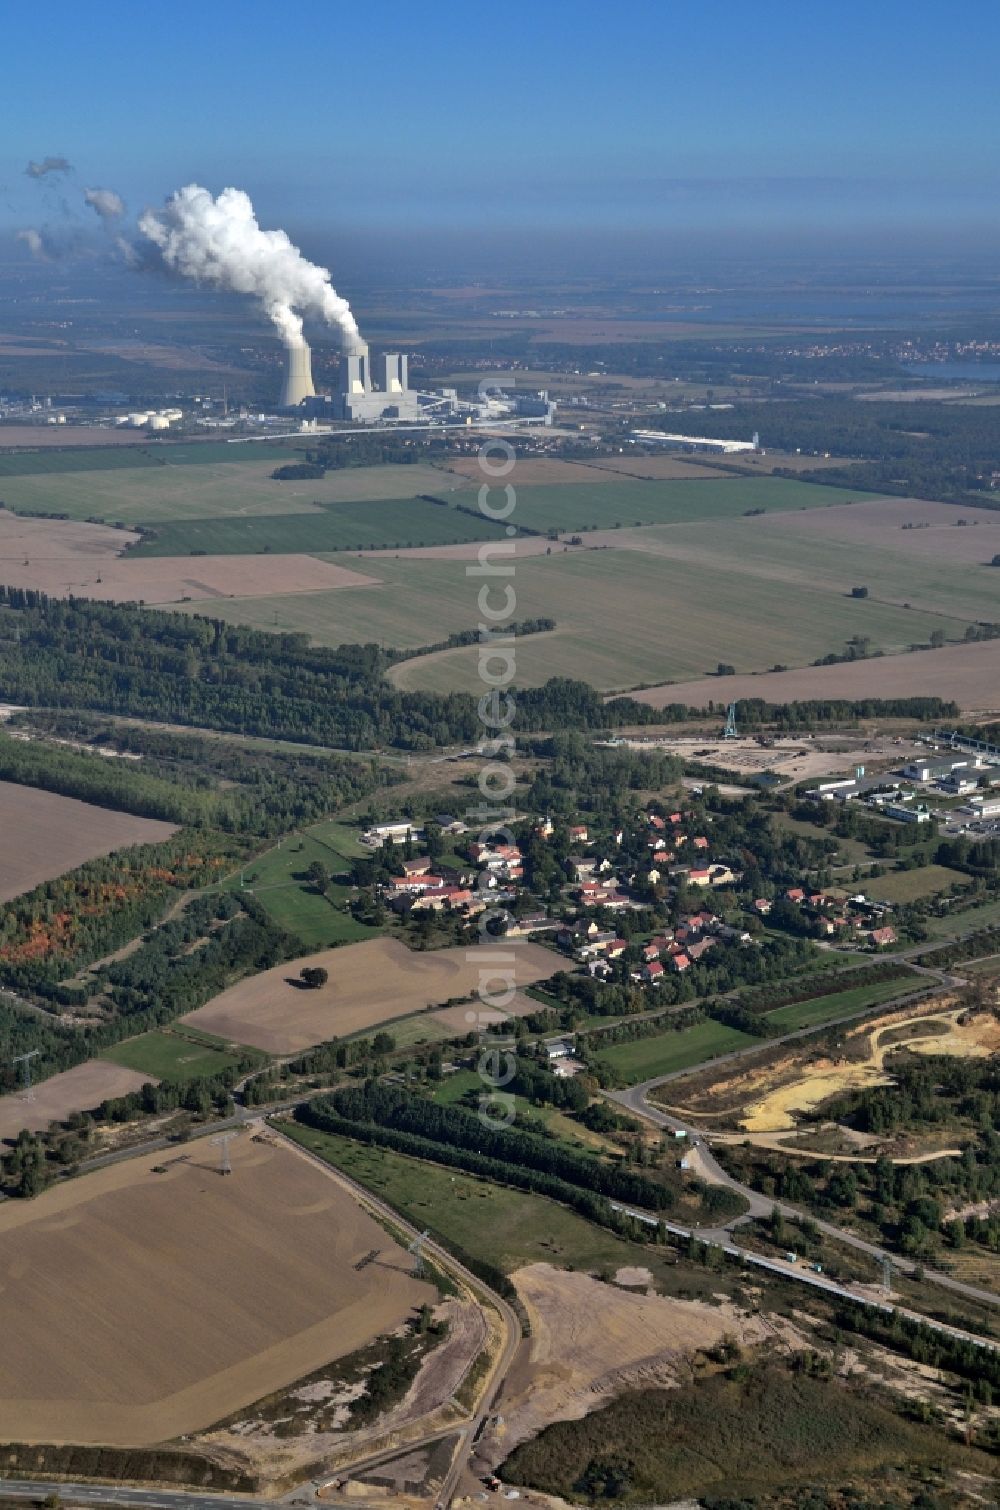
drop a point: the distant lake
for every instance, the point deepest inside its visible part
(963, 372)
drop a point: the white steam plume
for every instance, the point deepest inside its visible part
(218, 242)
(34, 241)
(105, 202)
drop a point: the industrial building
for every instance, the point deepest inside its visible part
(357, 397)
(298, 384)
(696, 442)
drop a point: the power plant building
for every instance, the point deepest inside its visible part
(298, 384)
(357, 397)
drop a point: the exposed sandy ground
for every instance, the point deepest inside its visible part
(44, 835)
(370, 983)
(56, 541)
(80, 1089)
(474, 1015)
(773, 1095)
(968, 674)
(796, 759)
(590, 1340)
(51, 437)
(253, 1440)
(136, 1306)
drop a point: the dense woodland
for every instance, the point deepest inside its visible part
(927, 450)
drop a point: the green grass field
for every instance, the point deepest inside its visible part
(615, 500)
(174, 1055)
(373, 524)
(968, 920)
(911, 885)
(278, 881)
(622, 618)
(805, 1014)
(663, 1053)
(503, 1227)
(236, 485)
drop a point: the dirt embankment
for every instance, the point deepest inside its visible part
(590, 1340)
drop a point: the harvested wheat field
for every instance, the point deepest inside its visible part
(45, 835)
(80, 1089)
(65, 559)
(476, 1016)
(966, 674)
(590, 1340)
(135, 1306)
(369, 984)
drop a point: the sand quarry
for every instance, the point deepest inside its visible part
(135, 1306)
(770, 1098)
(590, 1339)
(369, 983)
(45, 835)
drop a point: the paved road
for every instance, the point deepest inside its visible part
(708, 1167)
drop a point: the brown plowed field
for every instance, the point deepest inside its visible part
(80, 1089)
(45, 835)
(969, 674)
(137, 1306)
(370, 983)
(62, 557)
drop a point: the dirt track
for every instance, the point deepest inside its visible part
(370, 983)
(136, 1306)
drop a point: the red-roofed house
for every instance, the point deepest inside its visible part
(701, 842)
(680, 962)
(880, 937)
(795, 895)
(653, 971)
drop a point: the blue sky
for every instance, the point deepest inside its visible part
(630, 116)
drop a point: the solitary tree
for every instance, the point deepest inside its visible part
(314, 976)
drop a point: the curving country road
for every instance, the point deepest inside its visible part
(706, 1165)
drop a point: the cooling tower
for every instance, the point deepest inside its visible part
(298, 376)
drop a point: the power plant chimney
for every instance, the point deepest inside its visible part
(298, 377)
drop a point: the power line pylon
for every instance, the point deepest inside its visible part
(222, 1142)
(417, 1249)
(731, 731)
(24, 1060)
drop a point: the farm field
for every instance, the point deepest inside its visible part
(80, 1089)
(804, 1014)
(45, 835)
(252, 1277)
(541, 471)
(370, 983)
(372, 524)
(173, 1055)
(611, 500)
(231, 482)
(966, 674)
(935, 566)
(60, 557)
(621, 615)
(911, 885)
(663, 1053)
(622, 618)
